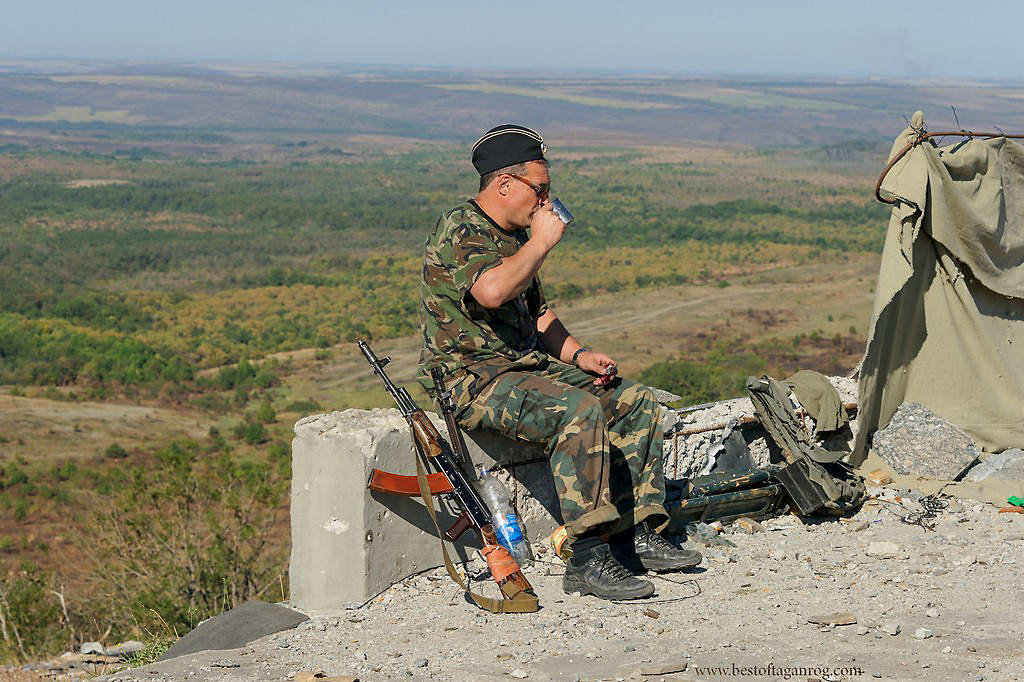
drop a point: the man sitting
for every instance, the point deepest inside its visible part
(513, 368)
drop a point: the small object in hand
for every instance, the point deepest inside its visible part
(609, 374)
(560, 209)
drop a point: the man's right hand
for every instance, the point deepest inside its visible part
(546, 227)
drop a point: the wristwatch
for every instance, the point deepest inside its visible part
(576, 355)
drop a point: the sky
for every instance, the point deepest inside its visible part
(827, 37)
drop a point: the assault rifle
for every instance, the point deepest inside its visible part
(518, 593)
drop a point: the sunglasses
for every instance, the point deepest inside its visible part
(542, 191)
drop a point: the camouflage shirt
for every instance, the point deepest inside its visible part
(471, 343)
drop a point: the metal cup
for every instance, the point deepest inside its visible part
(563, 213)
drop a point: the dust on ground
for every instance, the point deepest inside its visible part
(951, 594)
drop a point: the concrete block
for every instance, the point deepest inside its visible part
(348, 543)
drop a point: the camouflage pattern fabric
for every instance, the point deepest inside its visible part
(604, 443)
(470, 343)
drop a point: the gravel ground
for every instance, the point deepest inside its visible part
(953, 595)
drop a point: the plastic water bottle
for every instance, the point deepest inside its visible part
(506, 524)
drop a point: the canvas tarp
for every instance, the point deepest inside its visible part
(948, 324)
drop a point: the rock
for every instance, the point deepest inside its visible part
(862, 630)
(882, 550)
(124, 649)
(421, 663)
(224, 663)
(878, 477)
(91, 648)
(932, 613)
(857, 526)
(666, 668)
(954, 507)
(1007, 465)
(947, 649)
(321, 676)
(748, 526)
(922, 633)
(892, 628)
(917, 441)
(519, 674)
(834, 619)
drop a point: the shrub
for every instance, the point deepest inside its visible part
(115, 451)
(304, 406)
(34, 621)
(719, 376)
(187, 539)
(255, 433)
(265, 414)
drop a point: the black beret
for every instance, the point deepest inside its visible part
(507, 145)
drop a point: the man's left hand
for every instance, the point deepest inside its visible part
(600, 364)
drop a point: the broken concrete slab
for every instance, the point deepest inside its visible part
(236, 628)
(919, 442)
(664, 397)
(690, 433)
(1007, 465)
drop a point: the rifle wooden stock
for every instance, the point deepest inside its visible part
(426, 434)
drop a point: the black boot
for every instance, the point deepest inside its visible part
(658, 554)
(599, 573)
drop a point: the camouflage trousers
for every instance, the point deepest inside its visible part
(604, 444)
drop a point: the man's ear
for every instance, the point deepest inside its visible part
(503, 183)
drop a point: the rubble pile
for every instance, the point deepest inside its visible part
(688, 435)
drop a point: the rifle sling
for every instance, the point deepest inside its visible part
(518, 602)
